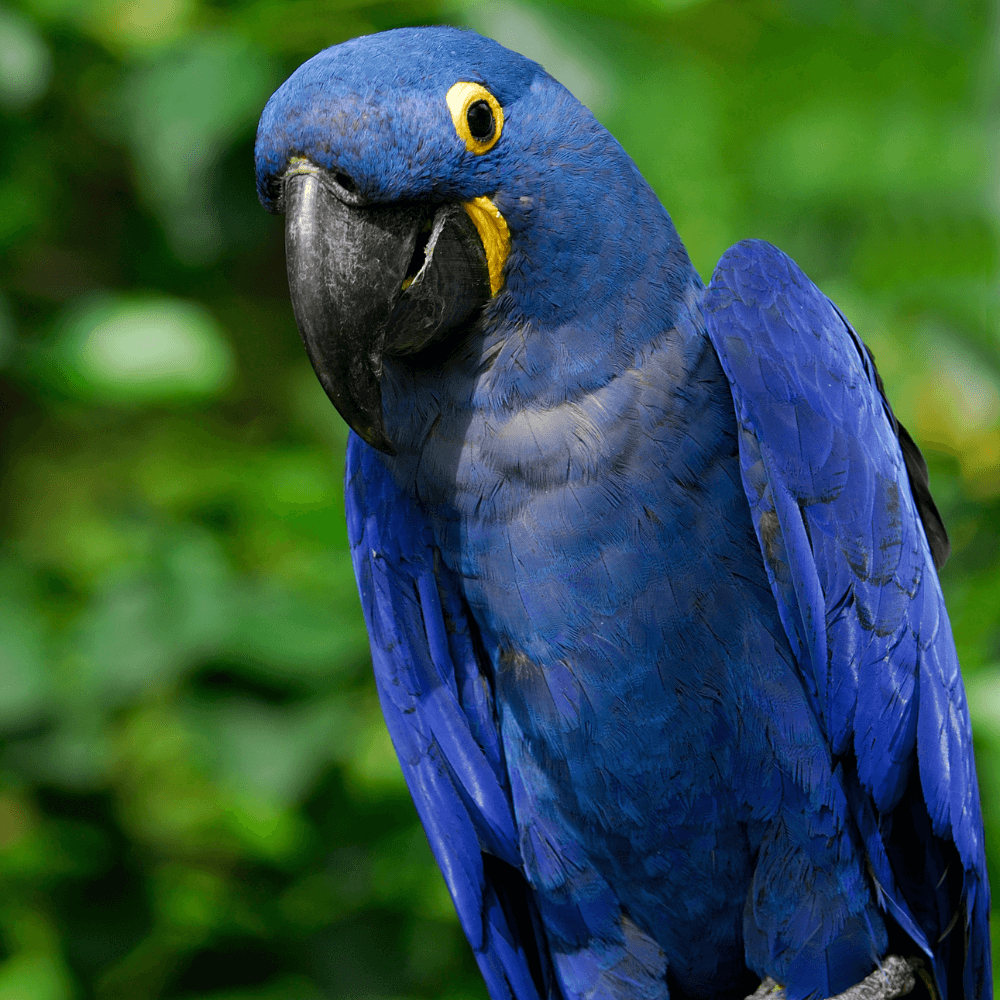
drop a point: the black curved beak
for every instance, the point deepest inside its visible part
(366, 280)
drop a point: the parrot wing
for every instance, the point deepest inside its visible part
(438, 706)
(837, 492)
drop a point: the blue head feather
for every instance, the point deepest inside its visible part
(580, 214)
(374, 107)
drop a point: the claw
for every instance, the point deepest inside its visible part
(895, 978)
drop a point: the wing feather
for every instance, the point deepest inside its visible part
(439, 711)
(849, 534)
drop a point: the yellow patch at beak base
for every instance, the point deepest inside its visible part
(493, 231)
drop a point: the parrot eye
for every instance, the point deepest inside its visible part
(480, 120)
(476, 115)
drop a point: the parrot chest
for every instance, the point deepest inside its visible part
(607, 556)
(603, 546)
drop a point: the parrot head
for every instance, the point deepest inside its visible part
(428, 176)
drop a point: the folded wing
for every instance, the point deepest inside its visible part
(848, 552)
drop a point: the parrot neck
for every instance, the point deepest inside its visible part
(592, 244)
(548, 396)
(583, 297)
(596, 279)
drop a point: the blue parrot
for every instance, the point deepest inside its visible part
(648, 568)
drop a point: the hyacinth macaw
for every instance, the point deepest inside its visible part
(648, 567)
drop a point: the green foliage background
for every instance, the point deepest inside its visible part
(197, 798)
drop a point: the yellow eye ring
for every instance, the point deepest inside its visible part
(462, 98)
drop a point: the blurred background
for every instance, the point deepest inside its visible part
(197, 798)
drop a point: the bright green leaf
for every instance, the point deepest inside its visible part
(129, 350)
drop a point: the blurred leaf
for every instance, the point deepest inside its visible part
(36, 970)
(404, 873)
(627, 9)
(74, 755)
(168, 799)
(130, 350)
(268, 831)
(145, 629)
(7, 331)
(275, 752)
(25, 62)
(310, 25)
(959, 409)
(279, 634)
(374, 769)
(139, 24)
(191, 900)
(535, 33)
(54, 850)
(983, 692)
(908, 151)
(25, 682)
(290, 988)
(21, 207)
(35, 977)
(17, 821)
(678, 149)
(178, 113)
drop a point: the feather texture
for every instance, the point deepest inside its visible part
(649, 579)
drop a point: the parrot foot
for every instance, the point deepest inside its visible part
(893, 979)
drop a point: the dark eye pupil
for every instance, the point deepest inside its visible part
(480, 119)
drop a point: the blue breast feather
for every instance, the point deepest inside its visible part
(859, 658)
